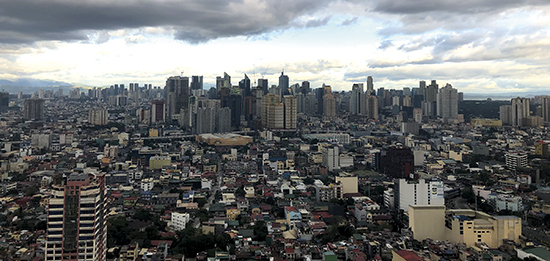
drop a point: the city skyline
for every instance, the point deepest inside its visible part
(482, 47)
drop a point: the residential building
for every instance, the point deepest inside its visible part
(98, 116)
(418, 192)
(179, 221)
(34, 109)
(462, 226)
(515, 159)
(77, 227)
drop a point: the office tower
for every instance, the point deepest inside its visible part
(306, 87)
(177, 95)
(355, 98)
(131, 87)
(98, 116)
(263, 84)
(283, 84)
(519, 111)
(121, 89)
(41, 94)
(545, 108)
(431, 92)
(4, 101)
(329, 106)
(407, 91)
(158, 109)
(426, 192)
(77, 227)
(370, 86)
(310, 104)
(244, 85)
(196, 82)
(396, 101)
(272, 112)
(397, 162)
(257, 94)
(319, 94)
(121, 100)
(381, 94)
(417, 115)
(289, 102)
(235, 103)
(34, 109)
(407, 101)
(300, 99)
(212, 93)
(460, 97)
(447, 103)
(371, 107)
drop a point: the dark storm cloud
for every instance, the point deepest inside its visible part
(27, 21)
(451, 6)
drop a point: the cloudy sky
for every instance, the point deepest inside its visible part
(479, 46)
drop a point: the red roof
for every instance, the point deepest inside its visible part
(157, 242)
(290, 250)
(409, 255)
(291, 209)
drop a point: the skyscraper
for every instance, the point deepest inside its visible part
(235, 103)
(196, 82)
(244, 85)
(545, 107)
(263, 84)
(177, 95)
(76, 219)
(371, 106)
(447, 103)
(289, 102)
(355, 98)
(370, 86)
(158, 108)
(98, 116)
(329, 106)
(34, 109)
(272, 112)
(520, 111)
(5, 101)
(283, 84)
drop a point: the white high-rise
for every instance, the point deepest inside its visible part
(447, 103)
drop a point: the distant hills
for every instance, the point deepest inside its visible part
(29, 85)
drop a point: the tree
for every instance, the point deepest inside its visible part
(240, 192)
(143, 215)
(260, 230)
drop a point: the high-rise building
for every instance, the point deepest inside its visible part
(289, 102)
(306, 87)
(4, 101)
(98, 116)
(244, 85)
(196, 82)
(177, 95)
(158, 108)
(264, 85)
(331, 158)
(235, 103)
(329, 106)
(355, 98)
(272, 112)
(519, 111)
(397, 162)
(283, 84)
(34, 109)
(371, 107)
(370, 86)
(545, 108)
(77, 227)
(447, 103)
(418, 192)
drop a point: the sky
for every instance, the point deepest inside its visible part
(478, 46)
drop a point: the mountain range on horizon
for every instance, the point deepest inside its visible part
(29, 85)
